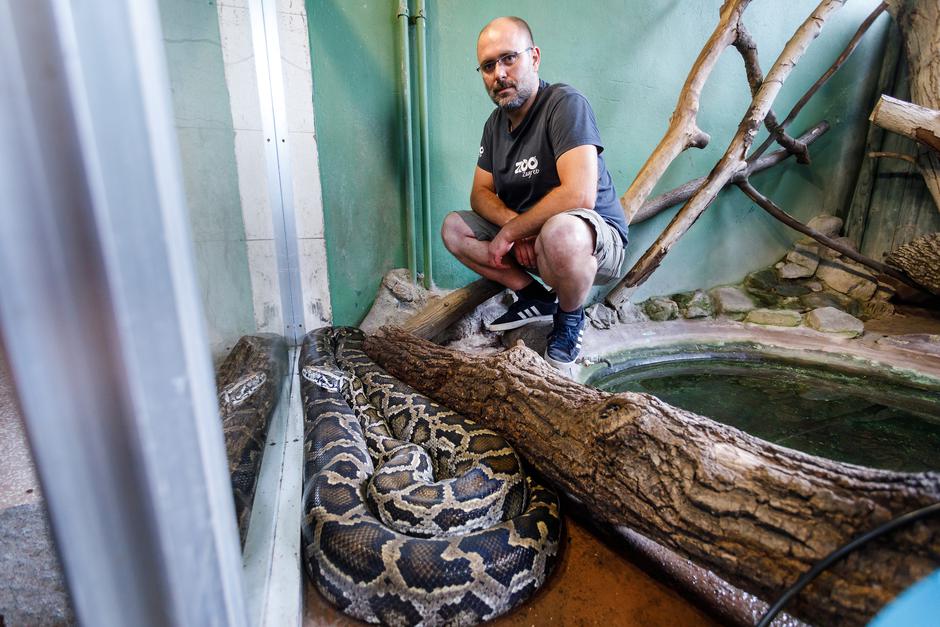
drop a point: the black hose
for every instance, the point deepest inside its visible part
(841, 552)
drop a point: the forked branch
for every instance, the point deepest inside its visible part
(683, 130)
(733, 160)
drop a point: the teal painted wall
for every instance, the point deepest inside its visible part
(206, 137)
(356, 97)
(630, 59)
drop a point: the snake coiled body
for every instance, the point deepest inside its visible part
(413, 514)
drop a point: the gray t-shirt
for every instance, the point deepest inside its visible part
(522, 161)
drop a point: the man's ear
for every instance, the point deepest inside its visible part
(536, 57)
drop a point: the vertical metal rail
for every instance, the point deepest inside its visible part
(411, 241)
(421, 51)
(101, 318)
(267, 49)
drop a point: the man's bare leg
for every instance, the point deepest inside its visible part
(473, 253)
(565, 249)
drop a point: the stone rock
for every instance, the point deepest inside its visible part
(832, 320)
(535, 336)
(473, 323)
(814, 286)
(847, 277)
(793, 271)
(830, 226)
(661, 309)
(601, 316)
(790, 302)
(769, 289)
(695, 304)
(774, 317)
(826, 299)
(731, 301)
(884, 292)
(629, 313)
(397, 300)
(805, 255)
(829, 253)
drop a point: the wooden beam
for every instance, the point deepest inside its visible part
(441, 313)
(921, 124)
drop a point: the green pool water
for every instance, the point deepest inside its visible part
(853, 418)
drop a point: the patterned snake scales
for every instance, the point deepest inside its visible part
(417, 517)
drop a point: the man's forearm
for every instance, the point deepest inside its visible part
(557, 201)
(488, 206)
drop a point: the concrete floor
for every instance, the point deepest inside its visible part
(32, 591)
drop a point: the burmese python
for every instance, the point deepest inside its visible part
(249, 385)
(448, 530)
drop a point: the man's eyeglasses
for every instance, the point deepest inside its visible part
(507, 60)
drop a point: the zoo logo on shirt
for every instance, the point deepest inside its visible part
(527, 167)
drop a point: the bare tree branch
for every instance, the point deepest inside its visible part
(746, 45)
(733, 160)
(892, 155)
(846, 53)
(683, 131)
(682, 193)
(768, 205)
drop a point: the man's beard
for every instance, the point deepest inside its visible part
(522, 94)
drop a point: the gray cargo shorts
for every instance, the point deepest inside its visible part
(608, 246)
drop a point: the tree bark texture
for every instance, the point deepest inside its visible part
(683, 131)
(918, 20)
(757, 514)
(733, 160)
(921, 260)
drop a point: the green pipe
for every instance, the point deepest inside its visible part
(411, 241)
(421, 51)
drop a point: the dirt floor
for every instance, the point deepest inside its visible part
(593, 584)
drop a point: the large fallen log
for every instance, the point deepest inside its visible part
(757, 514)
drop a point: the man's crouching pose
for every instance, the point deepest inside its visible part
(541, 191)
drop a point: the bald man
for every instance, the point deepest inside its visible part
(543, 201)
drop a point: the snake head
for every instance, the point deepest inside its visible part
(330, 379)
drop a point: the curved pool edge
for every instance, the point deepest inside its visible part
(887, 354)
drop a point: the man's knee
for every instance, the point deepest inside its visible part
(566, 235)
(453, 230)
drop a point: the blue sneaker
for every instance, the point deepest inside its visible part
(564, 342)
(522, 312)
